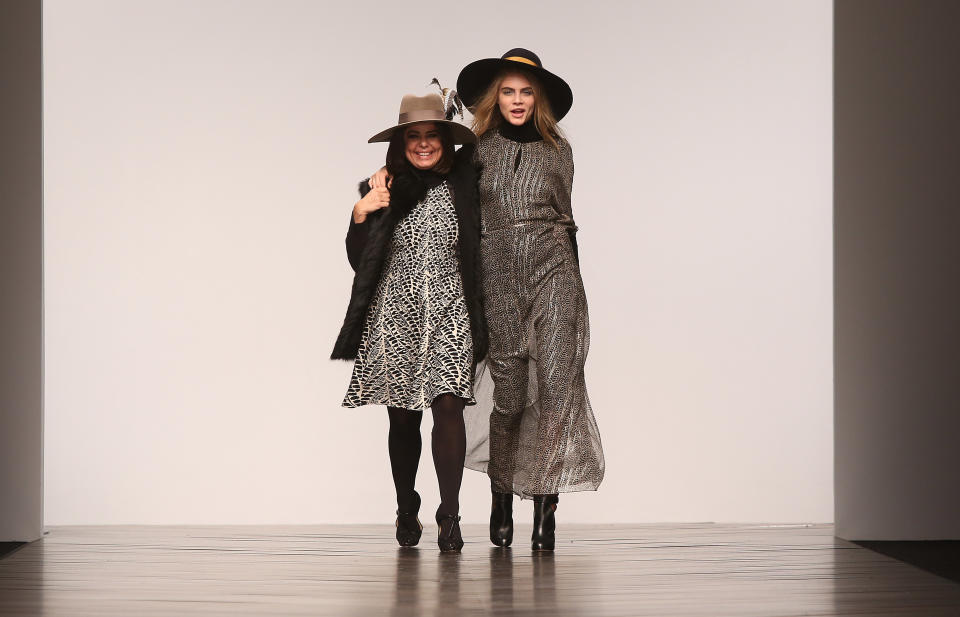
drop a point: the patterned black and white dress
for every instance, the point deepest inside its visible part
(416, 342)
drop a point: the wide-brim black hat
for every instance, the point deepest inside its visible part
(477, 76)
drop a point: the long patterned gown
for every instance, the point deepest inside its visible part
(543, 435)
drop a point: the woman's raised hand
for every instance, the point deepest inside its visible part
(380, 178)
(371, 202)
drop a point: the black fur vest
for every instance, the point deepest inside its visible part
(368, 243)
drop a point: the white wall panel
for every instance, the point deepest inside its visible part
(201, 163)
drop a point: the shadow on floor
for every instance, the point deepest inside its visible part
(9, 548)
(940, 557)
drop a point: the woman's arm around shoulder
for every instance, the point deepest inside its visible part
(466, 154)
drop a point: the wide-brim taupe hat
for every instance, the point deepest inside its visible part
(477, 76)
(427, 108)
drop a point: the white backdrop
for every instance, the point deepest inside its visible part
(201, 163)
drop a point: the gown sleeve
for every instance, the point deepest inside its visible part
(563, 192)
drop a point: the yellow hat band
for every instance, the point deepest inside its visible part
(522, 59)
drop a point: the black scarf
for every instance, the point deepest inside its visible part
(410, 187)
(524, 134)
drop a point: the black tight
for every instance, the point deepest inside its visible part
(448, 443)
(404, 446)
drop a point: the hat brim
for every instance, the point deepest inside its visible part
(477, 76)
(461, 133)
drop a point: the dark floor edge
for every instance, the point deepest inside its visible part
(940, 557)
(9, 548)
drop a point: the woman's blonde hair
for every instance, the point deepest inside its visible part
(487, 115)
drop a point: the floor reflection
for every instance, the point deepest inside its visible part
(501, 580)
(448, 596)
(406, 591)
(544, 582)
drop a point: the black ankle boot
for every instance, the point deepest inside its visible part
(501, 519)
(544, 521)
(448, 536)
(409, 527)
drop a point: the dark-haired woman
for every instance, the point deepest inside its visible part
(414, 325)
(543, 435)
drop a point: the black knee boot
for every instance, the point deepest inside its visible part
(544, 521)
(501, 519)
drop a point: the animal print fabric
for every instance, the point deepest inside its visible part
(416, 342)
(543, 436)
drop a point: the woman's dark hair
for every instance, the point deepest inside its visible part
(397, 162)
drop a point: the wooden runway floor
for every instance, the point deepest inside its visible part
(662, 570)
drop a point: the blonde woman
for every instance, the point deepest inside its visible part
(543, 435)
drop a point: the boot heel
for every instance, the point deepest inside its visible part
(544, 522)
(501, 519)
